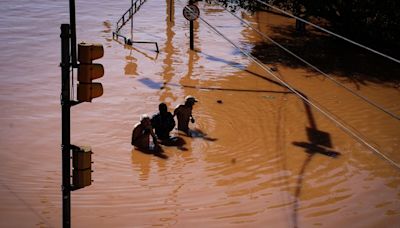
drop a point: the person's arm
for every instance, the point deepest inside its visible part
(191, 118)
(177, 110)
(170, 122)
(134, 135)
(153, 135)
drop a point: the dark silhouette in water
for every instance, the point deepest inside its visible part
(141, 135)
(163, 122)
(184, 114)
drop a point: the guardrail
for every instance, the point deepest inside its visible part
(129, 14)
(125, 18)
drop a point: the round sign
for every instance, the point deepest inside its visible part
(191, 12)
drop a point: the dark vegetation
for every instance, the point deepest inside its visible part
(370, 21)
(373, 23)
(330, 55)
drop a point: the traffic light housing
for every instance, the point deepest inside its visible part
(88, 71)
(82, 166)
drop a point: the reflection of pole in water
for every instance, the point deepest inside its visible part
(143, 162)
(168, 69)
(171, 11)
(193, 56)
(191, 36)
(131, 66)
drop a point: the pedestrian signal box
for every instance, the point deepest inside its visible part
(88, 71)
(82, 167)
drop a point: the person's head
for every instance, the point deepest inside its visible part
(145, 120)
(162, 107)
(190, 100)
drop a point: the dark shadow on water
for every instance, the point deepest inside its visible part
(240, 66)
(217, 59)
(312, 149)
(197, 133)
(234, 90)
(177, 141)
(331, 55)
(319, 142)
(150, 83)
(159, 152)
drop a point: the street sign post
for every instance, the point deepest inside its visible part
(191, 12)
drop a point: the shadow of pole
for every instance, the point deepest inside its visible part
(297, 193)
(318, 142)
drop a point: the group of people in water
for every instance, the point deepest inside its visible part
(161, 124)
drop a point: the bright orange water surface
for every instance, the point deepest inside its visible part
(248, 171)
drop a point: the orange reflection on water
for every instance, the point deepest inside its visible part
(257, 157)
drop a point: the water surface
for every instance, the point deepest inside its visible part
(249, 167)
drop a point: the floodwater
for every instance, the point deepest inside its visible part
(251, 162)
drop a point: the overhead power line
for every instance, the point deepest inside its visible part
(317, 69)
(326, 113)
(329, 32)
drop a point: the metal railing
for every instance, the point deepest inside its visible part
(129, 14)
(135, 6)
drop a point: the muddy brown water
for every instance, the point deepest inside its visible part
(251, 163)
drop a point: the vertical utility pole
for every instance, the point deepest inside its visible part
(73, 32)
(87, 90)
(131, 16)
(191, 36)
(65, 126)
(68, 60)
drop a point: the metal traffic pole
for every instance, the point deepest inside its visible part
(131, 16)
(65, 126)
(73, 32)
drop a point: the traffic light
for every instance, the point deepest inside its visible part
(82, 164)
(88, 71)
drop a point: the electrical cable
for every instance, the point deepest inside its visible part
(326, 113)
(329, 32)
(317, 69)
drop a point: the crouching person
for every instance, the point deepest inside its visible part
(141, 135)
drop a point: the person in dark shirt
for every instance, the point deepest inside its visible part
(163, 122)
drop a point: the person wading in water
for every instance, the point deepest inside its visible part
(163, 123)
(141, 135)
(183, 113)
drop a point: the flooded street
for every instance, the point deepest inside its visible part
(260, 156)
